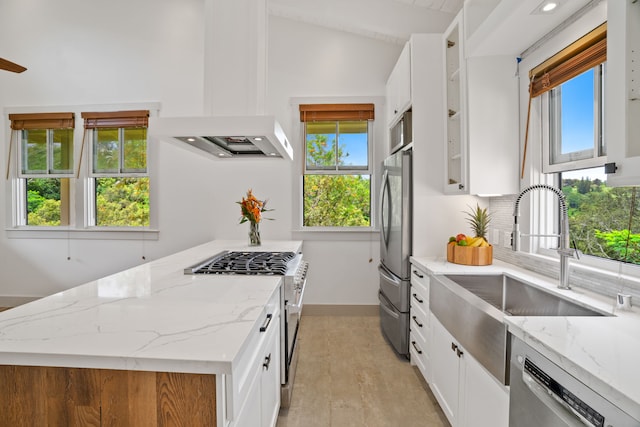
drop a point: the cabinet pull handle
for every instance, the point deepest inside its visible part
(459, 352)
(454, 347)
(413, 343)
(418, 299)
(417, 273)
(417, 323)
(267, 362)
(266, 323)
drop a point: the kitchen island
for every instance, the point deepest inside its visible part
(149, 342)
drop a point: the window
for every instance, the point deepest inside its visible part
(45, 165)
(337, 168)
(603, 221)
(119, 184)
(576, 120)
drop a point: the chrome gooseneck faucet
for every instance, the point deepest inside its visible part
(564, 250)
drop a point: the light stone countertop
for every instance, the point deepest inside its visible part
(151, 317)
(602, 352)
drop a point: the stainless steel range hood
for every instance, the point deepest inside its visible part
(225, 137)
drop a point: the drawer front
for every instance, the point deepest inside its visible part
(419, 355)
(419, 298)
(419, 322)
(420, 280)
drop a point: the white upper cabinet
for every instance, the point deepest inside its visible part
(622, 103)
(481, 119)
(398, 90)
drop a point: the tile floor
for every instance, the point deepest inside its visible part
(349, 376)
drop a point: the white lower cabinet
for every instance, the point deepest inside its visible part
(255, 383)
(262, 403)
(468, 394)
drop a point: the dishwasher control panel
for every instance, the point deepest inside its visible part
(588, 414)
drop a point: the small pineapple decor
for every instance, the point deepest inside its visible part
(475, 250)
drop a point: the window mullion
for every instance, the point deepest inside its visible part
(49, 156)
(600, 148)
(337, 147)
(120, 150)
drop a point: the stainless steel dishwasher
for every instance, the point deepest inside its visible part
(543, 394)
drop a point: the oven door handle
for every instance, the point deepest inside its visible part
(297, 308)
(555, 404)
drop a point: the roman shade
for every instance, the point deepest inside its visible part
(580, 56)
(41, 121)
(116, 119)
(336, 112)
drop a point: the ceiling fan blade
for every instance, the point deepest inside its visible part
(10, 66)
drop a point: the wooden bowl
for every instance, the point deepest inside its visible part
(467, 255)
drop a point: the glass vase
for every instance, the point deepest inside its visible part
(254, 234)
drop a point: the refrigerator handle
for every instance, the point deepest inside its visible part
(385, 191)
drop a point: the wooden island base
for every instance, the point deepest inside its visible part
(51, 396)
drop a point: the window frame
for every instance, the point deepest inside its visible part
(376, 151)
(91, 206)
(340, 171)
(78, 227)
(551, 145)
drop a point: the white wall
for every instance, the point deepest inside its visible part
(80, 53)
(307, 61)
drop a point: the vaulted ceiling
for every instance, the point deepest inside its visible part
(389, 20)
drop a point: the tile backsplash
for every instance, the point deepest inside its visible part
(599, 281)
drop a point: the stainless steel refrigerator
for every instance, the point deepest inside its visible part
(395, 249)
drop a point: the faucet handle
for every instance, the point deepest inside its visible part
(569, 252)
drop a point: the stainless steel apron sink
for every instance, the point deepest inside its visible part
(473, 307)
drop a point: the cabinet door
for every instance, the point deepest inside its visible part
(250, 414)
(270, 379)
(455, 127)
(622, 103)
(484, 402)
(398, 88)
(445, 373)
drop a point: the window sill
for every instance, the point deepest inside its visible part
(336, 233)
(591, 266)
(97, 233)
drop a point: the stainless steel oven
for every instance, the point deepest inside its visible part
(294, 271)
(292, 299)
(543, 394)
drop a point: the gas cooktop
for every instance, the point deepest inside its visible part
(256, 263)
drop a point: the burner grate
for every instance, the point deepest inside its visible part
(256, 263)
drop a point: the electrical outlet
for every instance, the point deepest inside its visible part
(495, 237)
(506, 239)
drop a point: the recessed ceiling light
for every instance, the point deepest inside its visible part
(547, 6)
(258, 138)
(191, 139)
